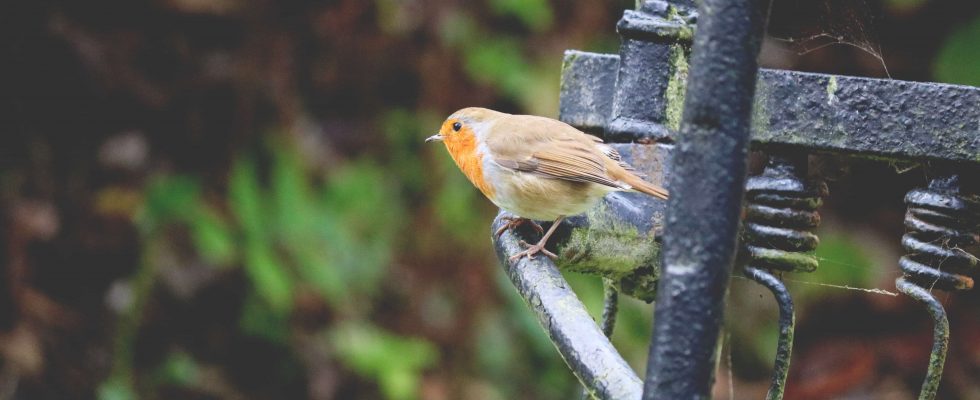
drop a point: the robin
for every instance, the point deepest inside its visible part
(535, 167)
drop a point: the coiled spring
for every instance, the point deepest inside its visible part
(781, 210)
(941, 223)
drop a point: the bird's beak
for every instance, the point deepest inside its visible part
(434, 138)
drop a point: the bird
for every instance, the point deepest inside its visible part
(536, 168)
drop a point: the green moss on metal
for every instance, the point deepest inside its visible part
(570, 58)
(832, 90)
(642, 283)
(609, 247)
(567, 62)
(785, 260)
(837, 134)
(676, 86)
(684, 33)
(760, 115)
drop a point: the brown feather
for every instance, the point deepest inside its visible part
(641, 185)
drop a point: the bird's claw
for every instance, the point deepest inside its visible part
(532, 250)
(515, 222)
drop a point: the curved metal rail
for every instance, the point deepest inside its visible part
(580, 341)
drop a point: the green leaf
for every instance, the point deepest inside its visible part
(270, 278)
(245, 197)
(169, 199)
(290, 192)
(212, 237)
(396, 362)
(959, 59)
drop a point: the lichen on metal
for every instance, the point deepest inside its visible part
(867, 117)
(676, 86)
(859, 116)
(652, 37)
(608, 245)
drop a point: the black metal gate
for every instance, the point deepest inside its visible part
(693, 122)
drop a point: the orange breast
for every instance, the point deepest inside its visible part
(463, 148)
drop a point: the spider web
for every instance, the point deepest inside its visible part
(807, 26)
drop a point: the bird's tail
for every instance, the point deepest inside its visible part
(640, 185)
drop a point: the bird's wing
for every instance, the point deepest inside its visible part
(553, 149)
(568, 160)
(614, 155)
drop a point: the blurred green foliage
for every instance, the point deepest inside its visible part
(959, 60)
(294, 230)
(843, 262)
(536, 14)
(348, 232)
(395, 362)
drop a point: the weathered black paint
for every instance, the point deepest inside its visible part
(787, 326)
(821, 112)
(794, 113)
(650, 35)
(581, 342)
(706, 185)
(887, 118)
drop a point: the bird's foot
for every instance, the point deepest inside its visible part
(515, 222)
(533, 250)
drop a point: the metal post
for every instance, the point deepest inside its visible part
(652, 68)
(707, 183)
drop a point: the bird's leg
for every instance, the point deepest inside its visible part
(515, 222)
(539, 247)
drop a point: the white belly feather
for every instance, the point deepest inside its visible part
(532, 196)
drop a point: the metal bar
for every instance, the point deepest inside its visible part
(610, 307)
(787, 325)
(868, 116)
(707, 183)
(581, 343)
(940, 336)
(851, 115)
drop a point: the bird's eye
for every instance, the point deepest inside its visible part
(457, 126)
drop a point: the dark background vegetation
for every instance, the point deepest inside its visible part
(231, 199)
